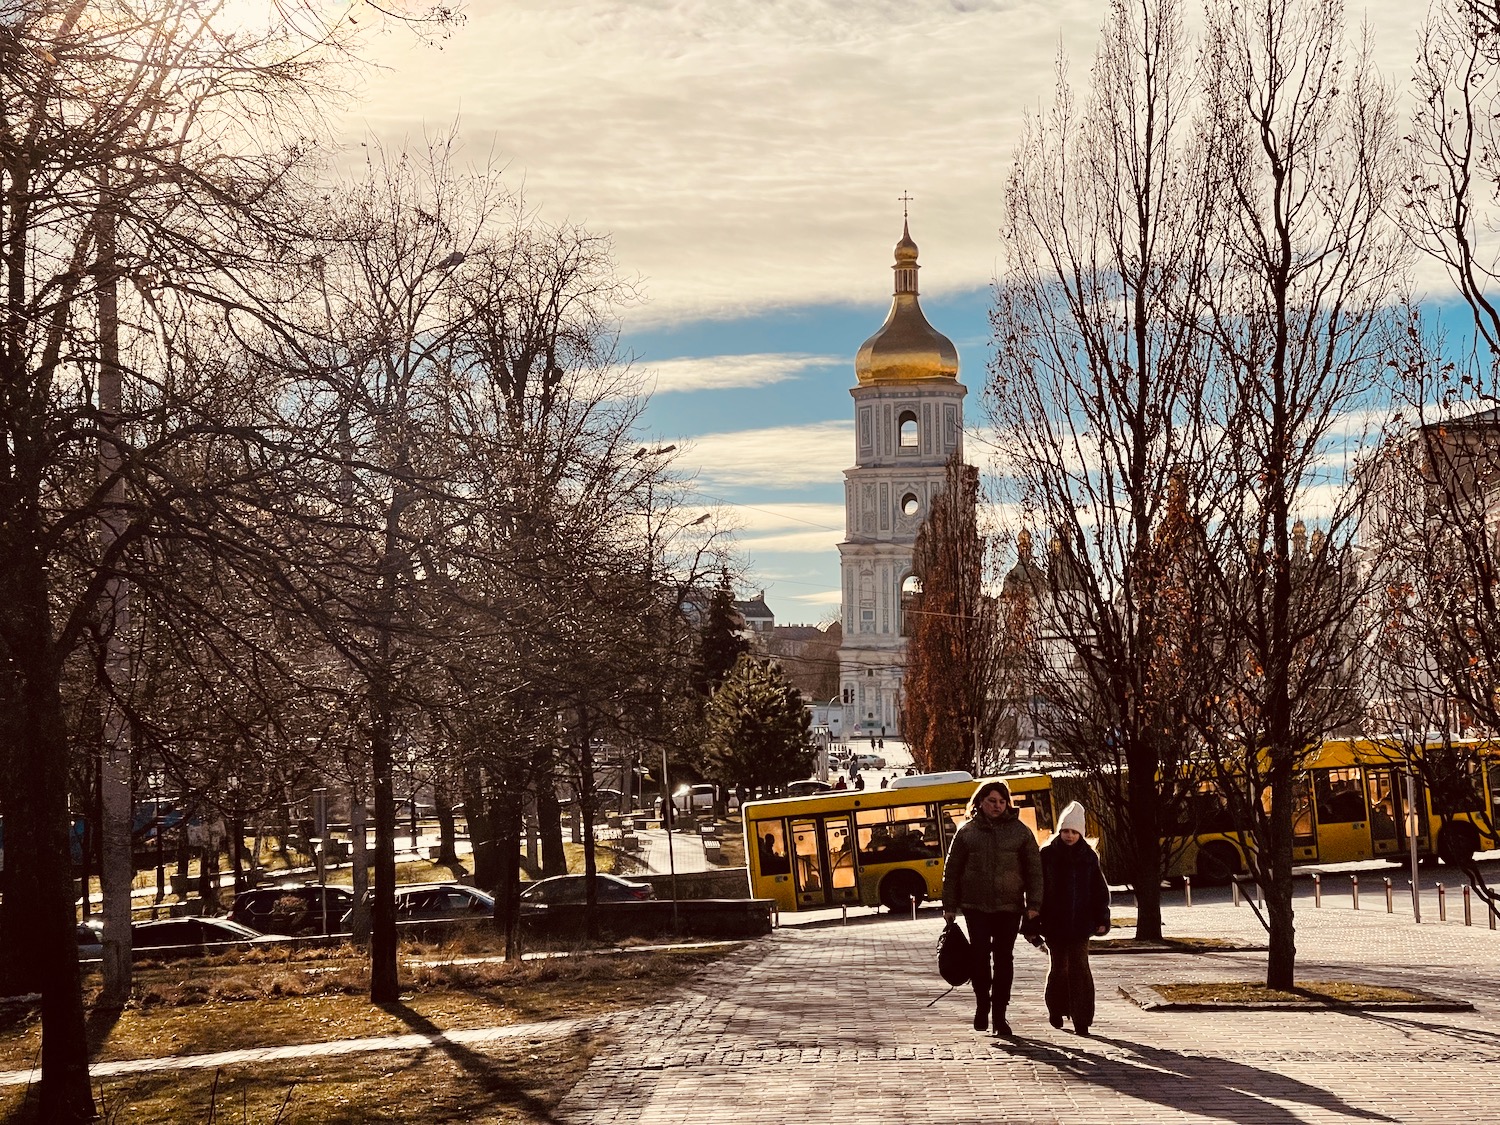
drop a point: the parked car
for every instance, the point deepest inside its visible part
(439, 901)
(90, 940)
(294, 909)
(574, 888)
(807, 787)
(176, 933)
(867, 762)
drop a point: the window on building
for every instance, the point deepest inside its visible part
(908, 425)
(910, 505)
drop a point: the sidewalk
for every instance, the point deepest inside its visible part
(831, 1024)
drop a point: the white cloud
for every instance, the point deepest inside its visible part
(805, 456)
(748, 153)
(723, 372)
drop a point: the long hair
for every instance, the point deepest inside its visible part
(984, 791)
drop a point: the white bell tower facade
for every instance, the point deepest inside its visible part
(908, 420)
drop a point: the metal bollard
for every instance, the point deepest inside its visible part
(775, 917)
(913, 907)
(844, 907)
(1317, 889)
(1234, 890)
(1442, 903)
(1416, 902)
(1187, 889)
(1390, 903)
(1468, 908)
(1490, 910)
(1354, 889)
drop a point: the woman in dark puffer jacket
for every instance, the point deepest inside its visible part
(1075, 907)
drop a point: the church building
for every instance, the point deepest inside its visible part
(908, 420)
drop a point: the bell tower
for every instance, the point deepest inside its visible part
(908, 420)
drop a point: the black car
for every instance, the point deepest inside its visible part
(574, 888)
(294, 909)
(176, 933)
(437, 902)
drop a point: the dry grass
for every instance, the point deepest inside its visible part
(1318, 991)
(318, 996)
(1181, 944)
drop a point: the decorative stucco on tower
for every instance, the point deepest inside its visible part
(908, 419)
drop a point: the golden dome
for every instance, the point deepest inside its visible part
(906, 349)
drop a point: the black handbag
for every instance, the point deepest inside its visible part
(953, 955)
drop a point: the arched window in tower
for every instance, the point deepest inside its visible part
(911, 601)
(907, 424)
(910, 505)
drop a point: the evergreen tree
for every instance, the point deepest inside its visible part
(721, 643)
(757, 728)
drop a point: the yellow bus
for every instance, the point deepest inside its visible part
(871, 846)
(1349, 804)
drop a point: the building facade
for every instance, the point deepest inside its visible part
(908, 420)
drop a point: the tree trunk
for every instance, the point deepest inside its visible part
(359, 853)
(1281, 960)
(549, 827)
(1145, 804)
(117, 872)
(442, 804)
(385, 987)
(487, 874)
(508, 817)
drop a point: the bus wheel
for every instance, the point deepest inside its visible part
(1217, 863)
(897, 889)
(1457, 842)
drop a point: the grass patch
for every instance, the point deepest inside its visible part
(517, 1083)
(1183, 944)
(305, 997)
(1332, 992)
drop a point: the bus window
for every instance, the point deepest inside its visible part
(897, 835)
(1035, 808)
(953, 815)
(771, 839)
(1303, 835)
(1339, 796)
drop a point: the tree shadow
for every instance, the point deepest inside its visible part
(1410, 1027)
(98, 1024)
(1206, 1085)
(478, 1065)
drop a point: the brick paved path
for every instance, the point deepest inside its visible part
(830, 1024)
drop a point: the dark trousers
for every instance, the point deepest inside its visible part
(992, 938)
(1070, 984)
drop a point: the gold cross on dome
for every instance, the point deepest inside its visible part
(905, 199)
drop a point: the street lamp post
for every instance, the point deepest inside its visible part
(158, 783)
(411, 764)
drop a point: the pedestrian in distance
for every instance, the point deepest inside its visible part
(1075, 908)
(993, 874)
(841, 783)
(859, 781)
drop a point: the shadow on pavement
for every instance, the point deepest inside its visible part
(1205, 1085)
(1411, 1027)
(494, 1077)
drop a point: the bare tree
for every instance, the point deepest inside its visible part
(1301, 318)
(1096, 389)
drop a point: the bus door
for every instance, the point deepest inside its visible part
(1343, 819)
(1386, 834)
(1304, 834)
(823, 861)
(838, 842)
(1415, 819)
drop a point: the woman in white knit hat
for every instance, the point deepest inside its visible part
(1075, 908)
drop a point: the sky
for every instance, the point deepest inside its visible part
(747, 158)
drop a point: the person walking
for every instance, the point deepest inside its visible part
(1075, 908)
(994, 875)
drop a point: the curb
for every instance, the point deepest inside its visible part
(1146, 997)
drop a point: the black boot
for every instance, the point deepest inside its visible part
(1001, 1027)
(981, 1015)
(1055, 1020)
